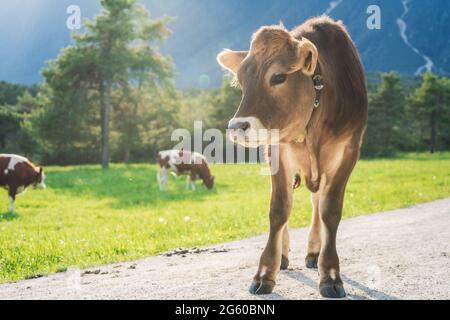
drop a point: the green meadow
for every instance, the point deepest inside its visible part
(88, 216)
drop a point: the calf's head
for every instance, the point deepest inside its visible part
(40, 179)
(209, 182)
(277, 90)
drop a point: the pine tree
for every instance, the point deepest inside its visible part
(386, 117)
(431, 105)
(114, 54)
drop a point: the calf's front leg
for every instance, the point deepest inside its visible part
(278, 243)
(11, 204)
(192, 179)
(12, 197)
(163, 177)
(331, 202)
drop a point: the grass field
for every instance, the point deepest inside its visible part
(88, 217)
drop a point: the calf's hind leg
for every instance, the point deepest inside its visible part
(285, 249)
(313, 248)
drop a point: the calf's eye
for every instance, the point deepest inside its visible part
(278, 79)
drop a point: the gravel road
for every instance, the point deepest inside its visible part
(401, 254)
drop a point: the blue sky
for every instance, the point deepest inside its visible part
(34, 31)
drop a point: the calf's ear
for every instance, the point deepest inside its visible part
(231, 60)
(307, 56)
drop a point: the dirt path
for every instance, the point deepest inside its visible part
(401, 254)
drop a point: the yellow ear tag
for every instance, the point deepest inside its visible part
(301, 138)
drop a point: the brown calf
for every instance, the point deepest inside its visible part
(309, 84)
(17, 174)
(192, 164)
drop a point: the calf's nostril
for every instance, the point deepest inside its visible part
(239, 126)
(246, 126)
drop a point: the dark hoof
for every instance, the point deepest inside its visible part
(261, 288)
(333, 291)
(284, 263)
(311, 260)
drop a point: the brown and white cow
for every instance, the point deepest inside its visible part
(309, 84)
(179, 162)
(17, 174)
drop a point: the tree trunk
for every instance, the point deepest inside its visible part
(132, 131)
(126, 157)
(433, 132)
(105, 91)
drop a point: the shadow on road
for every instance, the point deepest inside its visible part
(299, 276)
(372, 293)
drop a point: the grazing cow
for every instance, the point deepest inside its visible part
(180, 162)
(17, 174)
(309, 84)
